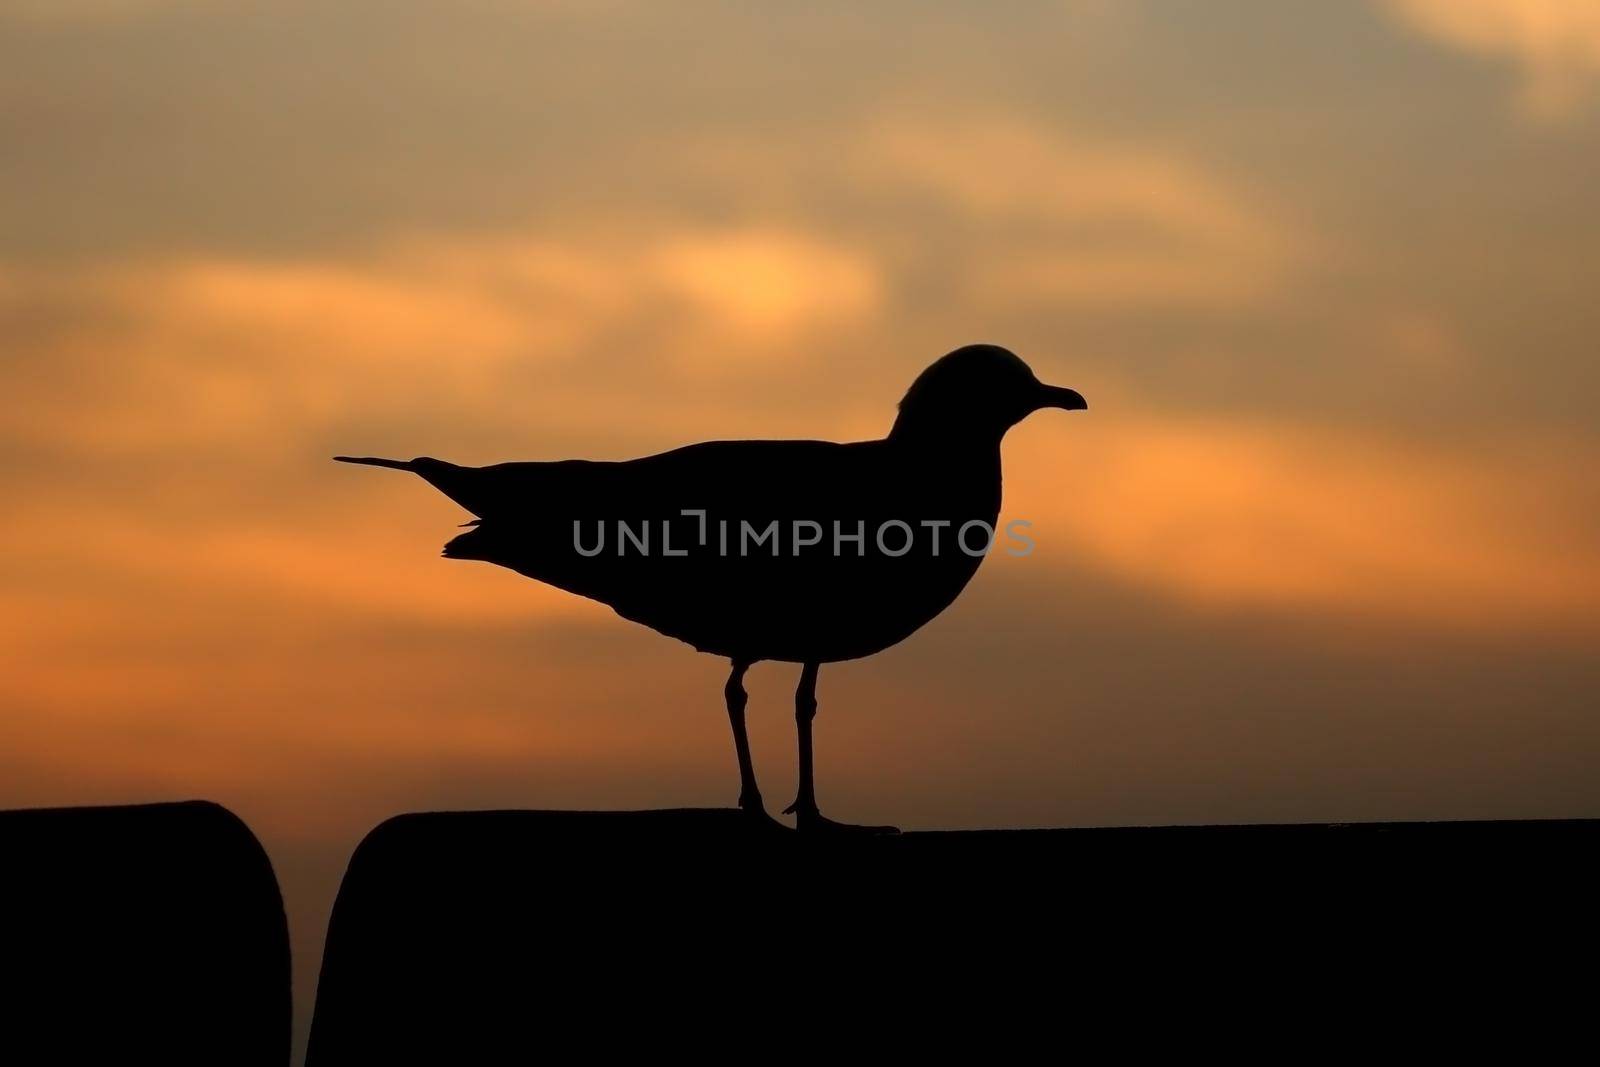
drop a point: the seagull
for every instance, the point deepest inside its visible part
(805, 552)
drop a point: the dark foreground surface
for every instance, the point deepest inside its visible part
(502, 936)
(156, 934)
(147, 934)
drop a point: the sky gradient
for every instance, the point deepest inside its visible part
(1326, 545)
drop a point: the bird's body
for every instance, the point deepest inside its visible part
(742, 587)
(804, 551)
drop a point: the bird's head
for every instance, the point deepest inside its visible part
(976, 392)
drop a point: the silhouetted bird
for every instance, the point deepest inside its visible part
(804, 551)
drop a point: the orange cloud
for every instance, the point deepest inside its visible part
(764, 280)
(1086, 221)
(213, 351)
(1555, 43)
(1233, 514)
(1024, 214)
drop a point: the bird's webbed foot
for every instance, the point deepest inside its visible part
(756, 812)
(808, 819)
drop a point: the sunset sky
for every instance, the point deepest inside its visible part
(1326, 545)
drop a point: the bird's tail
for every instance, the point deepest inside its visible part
(476, 543)
(377, 461)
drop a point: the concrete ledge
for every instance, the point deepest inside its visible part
(144, 934)
(504, 936)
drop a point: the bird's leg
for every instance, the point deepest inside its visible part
(749, 795)
(804, 808)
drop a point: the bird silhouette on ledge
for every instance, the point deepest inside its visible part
(808, 552)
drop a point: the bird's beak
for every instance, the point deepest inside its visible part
(1054, 396)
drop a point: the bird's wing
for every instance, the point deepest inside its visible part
(520, 491)
(563, 523)
(731, 476)
(717, 577)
